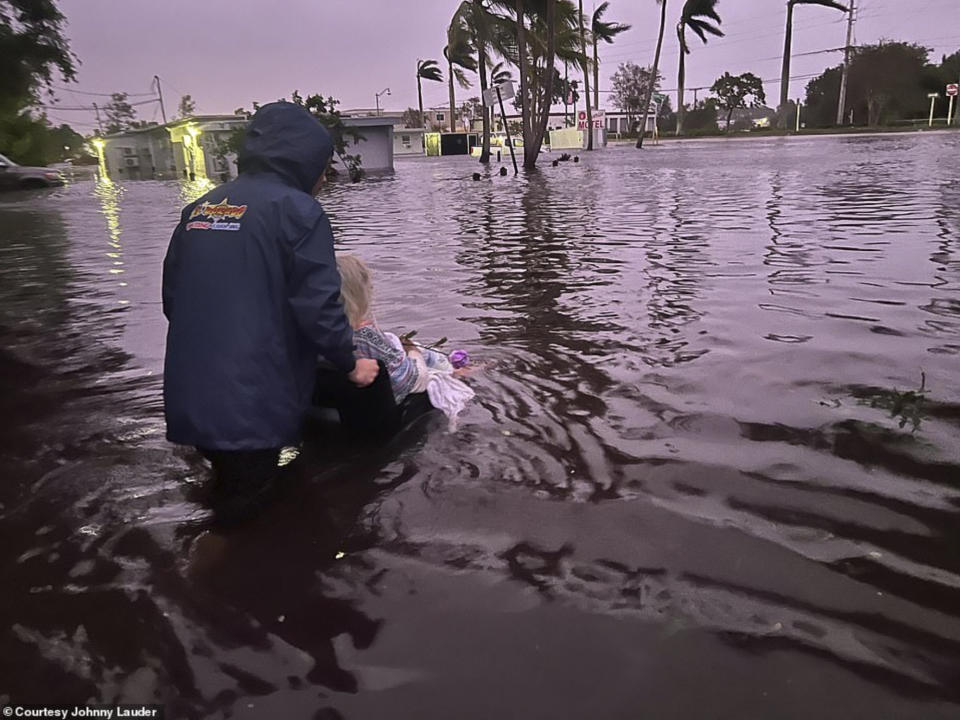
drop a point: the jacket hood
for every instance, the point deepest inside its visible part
(284, 139)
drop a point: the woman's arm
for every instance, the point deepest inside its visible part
(404, 372)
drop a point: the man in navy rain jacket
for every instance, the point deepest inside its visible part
(252, 295)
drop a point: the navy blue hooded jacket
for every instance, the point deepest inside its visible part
(252, 294)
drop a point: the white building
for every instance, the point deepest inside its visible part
(195, 148)
(188, 148)
(376, 146)
(408, 141)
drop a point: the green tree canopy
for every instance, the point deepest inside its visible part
(735, 92)
(630, 84)
(33, 49)
(888, 82)
(187, 107)
(119, 113)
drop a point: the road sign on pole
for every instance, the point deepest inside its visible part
(933, 101)
(953, 89)
(498, 93)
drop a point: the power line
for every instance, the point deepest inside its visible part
(96, 94)
(88, 108)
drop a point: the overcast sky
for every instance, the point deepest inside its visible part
(228, 53)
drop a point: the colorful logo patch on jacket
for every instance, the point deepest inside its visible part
(220, 216)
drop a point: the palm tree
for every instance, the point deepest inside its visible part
(586, 78)
(788, 41)
(459, 55)
(654, 72)
(499, 74)
(551, 35)
(696, 15)
(485, 31)
(606, 31)
(426, 70)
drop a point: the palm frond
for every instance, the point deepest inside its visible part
(429, 70)
(461, 77)
(694, 12)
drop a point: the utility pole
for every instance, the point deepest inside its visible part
(163, 113)
(846, 62)
(99, 124)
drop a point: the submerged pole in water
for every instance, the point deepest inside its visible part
(933, 101)
(506, 129)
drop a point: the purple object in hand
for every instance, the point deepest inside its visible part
(459, 359)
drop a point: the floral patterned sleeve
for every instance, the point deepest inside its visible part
(371, 343)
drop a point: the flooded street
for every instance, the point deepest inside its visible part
(713, 468)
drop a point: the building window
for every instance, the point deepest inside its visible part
(439, 117)
(405, 141)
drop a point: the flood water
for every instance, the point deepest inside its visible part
(712, 470)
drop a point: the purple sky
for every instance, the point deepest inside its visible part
(227, 54)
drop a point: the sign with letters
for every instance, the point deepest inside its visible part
(599, 119)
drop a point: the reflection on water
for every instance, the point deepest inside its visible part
(714, 462)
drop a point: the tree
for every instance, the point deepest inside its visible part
(119, 113)
(703, 116)
(696, 16)
(887, 82)
(32, 49)
(487, 33)
(543, 33)
(788, 41)
(426, 70)
(732, 92)
(631, 85)
(499, 74)
(887, 79)
(187, 107)
(411, 118)
(821, 101)
(655, 70)
(606, 31)
(459, 55)
(586, 77)
(472, 108)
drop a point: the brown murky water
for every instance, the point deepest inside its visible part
(713, 471)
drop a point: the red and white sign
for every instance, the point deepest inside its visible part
(599, 118)
(953, 89)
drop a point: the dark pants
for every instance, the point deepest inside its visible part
(244, 481)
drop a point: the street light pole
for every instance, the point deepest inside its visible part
(385, 91)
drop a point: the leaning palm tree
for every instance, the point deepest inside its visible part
(459, 55)
(426, 70)
(654, 73)
(486, 32)
(606, 31)
(696, 15)
(788, 41)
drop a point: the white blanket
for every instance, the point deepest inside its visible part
(447, 393)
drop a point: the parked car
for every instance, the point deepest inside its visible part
(19, 177)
